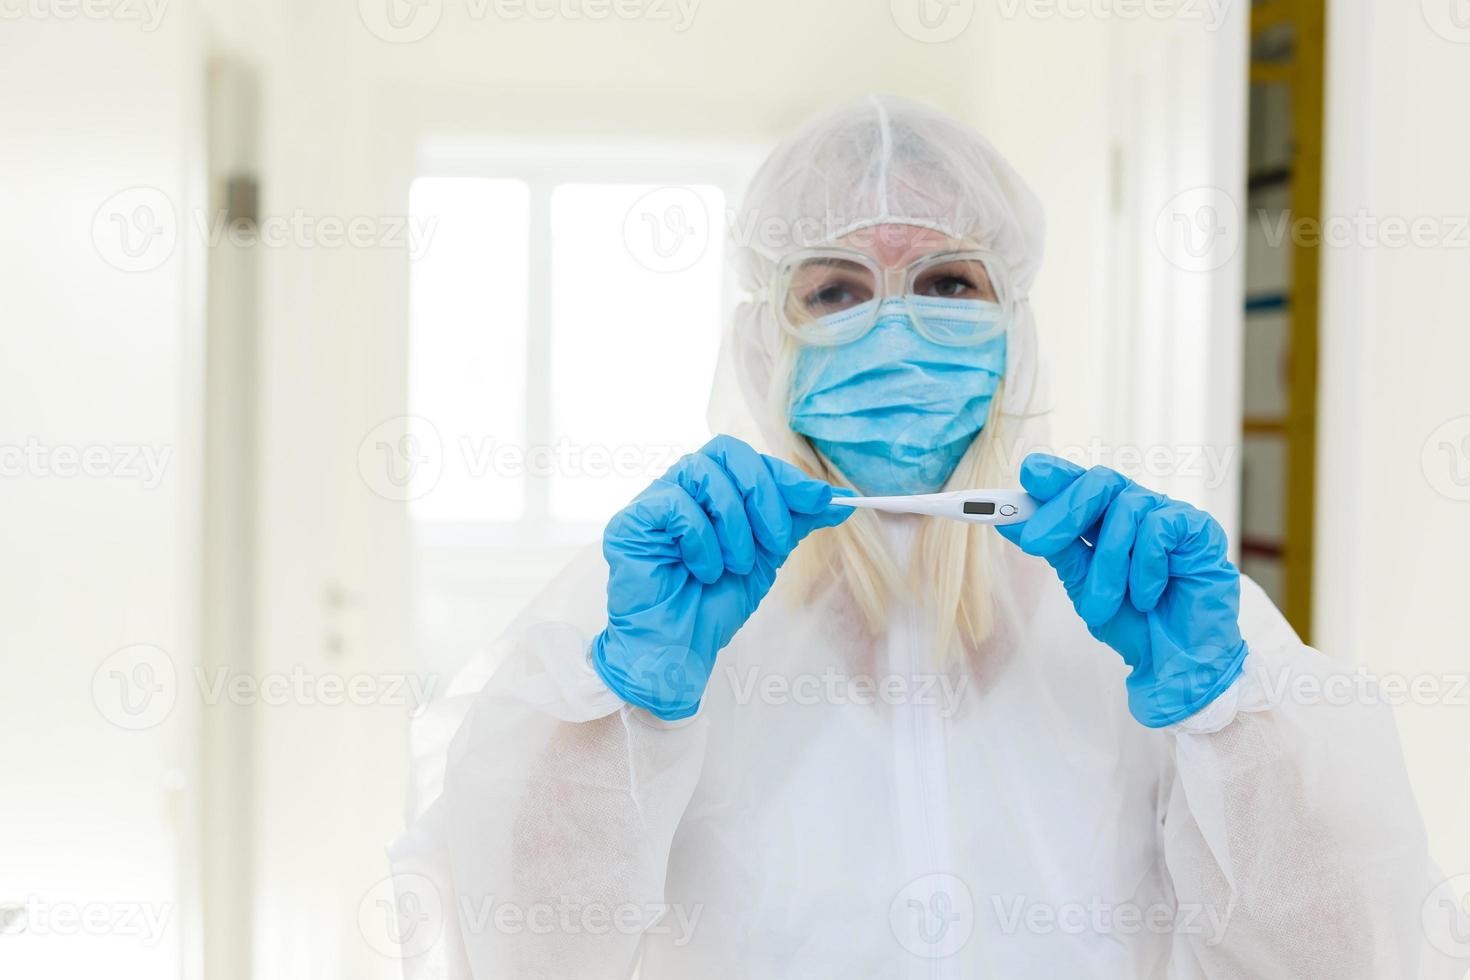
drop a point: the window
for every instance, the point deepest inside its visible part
(564, 324)
(564, 321)
(633, 344)
(467, 341)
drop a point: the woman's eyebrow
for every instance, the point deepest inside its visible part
(834, 262)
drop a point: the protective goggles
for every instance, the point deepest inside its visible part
(829, 296)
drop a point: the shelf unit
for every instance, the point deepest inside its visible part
(1279, 424)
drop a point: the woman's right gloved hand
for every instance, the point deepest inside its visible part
(690, 559)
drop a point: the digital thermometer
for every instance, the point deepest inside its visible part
(975, 506)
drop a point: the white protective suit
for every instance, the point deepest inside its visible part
(841, 808)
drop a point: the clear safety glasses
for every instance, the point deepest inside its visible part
(829, 296)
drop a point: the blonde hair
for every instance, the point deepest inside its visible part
(953, 570)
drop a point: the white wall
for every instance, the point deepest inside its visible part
(1393, 519)
(101, 362)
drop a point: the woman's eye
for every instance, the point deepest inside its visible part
(833, 297)
(955, 280)
(829, 295)
(953, 287)
(825, 286)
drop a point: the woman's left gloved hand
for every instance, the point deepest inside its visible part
(1147, 574)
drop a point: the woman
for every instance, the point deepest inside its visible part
(922, 751)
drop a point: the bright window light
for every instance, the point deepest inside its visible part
(467, 348)
(635, 313)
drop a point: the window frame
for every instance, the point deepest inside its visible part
(543, 166)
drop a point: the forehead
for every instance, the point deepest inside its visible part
(894, 245)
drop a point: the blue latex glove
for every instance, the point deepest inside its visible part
(690, 559)
(1149, 577)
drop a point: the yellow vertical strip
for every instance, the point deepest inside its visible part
(1306, 207)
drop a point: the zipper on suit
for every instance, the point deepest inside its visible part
(921, 771)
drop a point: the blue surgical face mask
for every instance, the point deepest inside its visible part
(893, 410)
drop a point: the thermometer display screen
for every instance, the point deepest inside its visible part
(985, 508)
